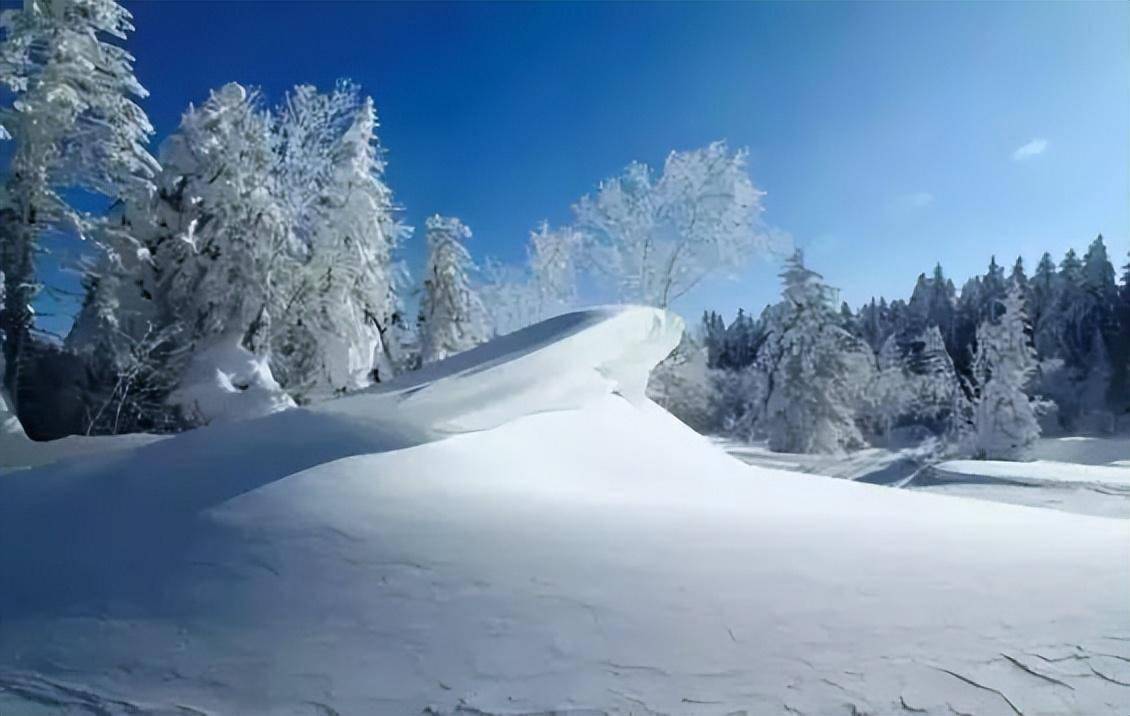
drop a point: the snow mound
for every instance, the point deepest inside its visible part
(226, 382)
(559, 364)
(574, 550)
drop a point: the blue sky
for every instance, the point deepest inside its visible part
(888, 136)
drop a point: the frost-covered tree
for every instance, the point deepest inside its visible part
(653, 238)
(814, 377)
(75, 124)
(218, 258)
(684, 385)
(223, 254)
(452, 317)
(916, 383)
(553, 255)
(547, 285)
(1004, 416)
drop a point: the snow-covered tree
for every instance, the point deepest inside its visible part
(1004, 416)
(916, 383)
(547, 285)
(815, 369)
(553, 255)
(224, 258)
(452, 317)
(1120, 350)
(653, 239)
(683, 385)
(219, 259)
(340, 313)
(75, 124)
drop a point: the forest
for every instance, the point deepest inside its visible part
(254, 261)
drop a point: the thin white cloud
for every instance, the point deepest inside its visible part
(1032, 149)
(911, 202)
(919, 199)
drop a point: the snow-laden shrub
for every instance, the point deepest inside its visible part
(227, 382)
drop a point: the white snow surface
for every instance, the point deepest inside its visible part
(1037, 472)
(226, 382)
(519, 531)
(1085, 450)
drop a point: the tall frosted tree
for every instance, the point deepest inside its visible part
(813, 379)
(221, 248)
(654, 238)
(75, 123)
(452, 317)
(339, 316)
(1004, 417)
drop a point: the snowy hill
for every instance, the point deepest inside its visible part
(518, 531)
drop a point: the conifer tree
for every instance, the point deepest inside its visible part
(809, 406)
(75, 124)
(452, 317)
(1004, 417)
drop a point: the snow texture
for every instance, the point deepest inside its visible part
(226, 382)
(572, 549)
(1038, 472)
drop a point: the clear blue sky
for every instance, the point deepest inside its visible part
(885, 134)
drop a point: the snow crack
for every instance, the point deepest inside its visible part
(990, 689)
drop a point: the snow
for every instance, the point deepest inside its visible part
(17, 451)
(1102, 490)
(1036, 472)
(226, 382)
(517, 530)
(1086, 450)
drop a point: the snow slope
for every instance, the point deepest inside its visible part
(499, 542)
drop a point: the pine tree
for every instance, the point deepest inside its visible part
(1098, 272)
(452, 317)
(993, 290)
(1045, 298)
(1020, 277)
(713, 331)
(1004, 417)
(75, 124)
(1120, 350)
(809, 406)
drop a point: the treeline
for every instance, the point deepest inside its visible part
(987, 367)
(254, 262)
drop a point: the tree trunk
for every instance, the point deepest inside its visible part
(19, 291)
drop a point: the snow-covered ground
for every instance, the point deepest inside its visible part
(1084, 475)
(518, 531)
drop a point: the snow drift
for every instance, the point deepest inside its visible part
(227, 382)
(518, 531)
